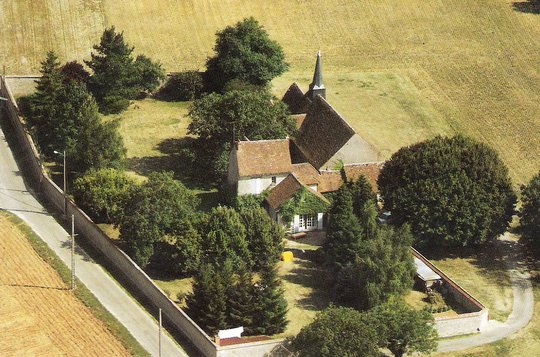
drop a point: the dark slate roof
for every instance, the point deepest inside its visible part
(286, 189)
(296, 100)
(323, 133)
(263, 157)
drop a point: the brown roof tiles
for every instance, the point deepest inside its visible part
(263, 157)
(286, 189)
(369, 170)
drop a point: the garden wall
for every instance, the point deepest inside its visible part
(474, 320)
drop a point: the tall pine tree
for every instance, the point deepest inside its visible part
(271, 306)
(241, 301)
(206, 305)
(344, 243)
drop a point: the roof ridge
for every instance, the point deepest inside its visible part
(260, 141)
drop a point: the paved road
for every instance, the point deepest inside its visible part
(522, 309)
(15, 197)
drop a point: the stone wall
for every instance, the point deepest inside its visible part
(476, 317)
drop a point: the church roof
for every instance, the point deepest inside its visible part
(286, 189)
(296, 100)
(263, 157)
(323, 133)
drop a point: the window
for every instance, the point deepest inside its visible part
(307, 221)
(273, 179)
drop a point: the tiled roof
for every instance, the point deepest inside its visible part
(369, 170)
(239, 340)
(329, 181)
(286, 189)
(296, 100)
(306, 173)
(263, 157)
(323, 133)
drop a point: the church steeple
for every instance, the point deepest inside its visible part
(317, 86)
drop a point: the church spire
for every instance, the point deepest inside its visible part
(317, 86)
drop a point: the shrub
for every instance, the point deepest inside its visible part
(183, 86)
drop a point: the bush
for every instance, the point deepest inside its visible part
(183, 86)
(100, 193)
(114, 104)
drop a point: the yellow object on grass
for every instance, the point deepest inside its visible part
(287, 256)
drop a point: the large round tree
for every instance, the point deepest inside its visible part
(453, 191)
(244, 52)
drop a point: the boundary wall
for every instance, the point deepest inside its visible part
(471, 322)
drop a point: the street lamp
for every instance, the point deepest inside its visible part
(63, 154)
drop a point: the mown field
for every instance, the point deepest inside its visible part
(40, 315)
(474, 64)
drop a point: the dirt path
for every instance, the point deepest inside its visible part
(38, 314)
(522, 309)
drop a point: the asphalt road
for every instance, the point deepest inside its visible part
(522, 309)
(16, 198)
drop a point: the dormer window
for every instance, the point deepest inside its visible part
(273, 179)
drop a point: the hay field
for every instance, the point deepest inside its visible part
(475, 62)
(39, 315)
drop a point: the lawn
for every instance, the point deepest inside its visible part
(476, 62)
(480, 272)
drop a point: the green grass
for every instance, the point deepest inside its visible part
(81, 292)
(482, 273)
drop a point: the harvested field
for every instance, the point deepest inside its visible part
(38, 315)
(472, 66)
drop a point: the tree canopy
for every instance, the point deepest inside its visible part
(453, 191)
(218, 119)
(153, 210)
(337, 331)
(530, 211)
(100, 193)
(256, 115)
(116, 76)
(402, 329)
(245, 52)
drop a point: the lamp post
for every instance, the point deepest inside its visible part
(63, 154)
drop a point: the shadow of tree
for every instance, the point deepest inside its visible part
(177, 157)
(530, 6)
(311, 276)
(492, 260)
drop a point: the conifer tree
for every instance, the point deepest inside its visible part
(264, 238)
(361, 192)
(206, 305)
(271, 306)
(343, 245)
(241, 301)
(39, 109)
